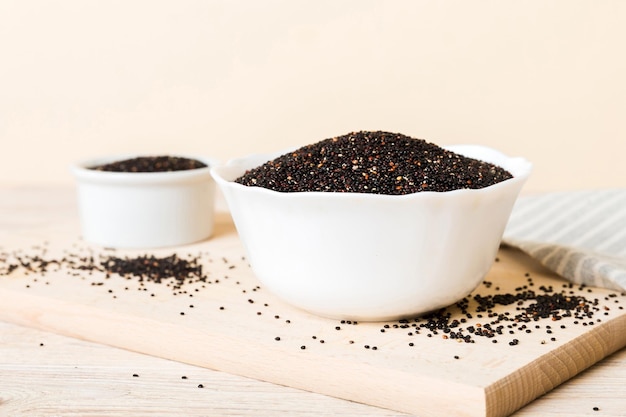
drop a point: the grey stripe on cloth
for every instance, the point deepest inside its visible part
(580, 235)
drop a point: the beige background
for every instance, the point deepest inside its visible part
(541, 79)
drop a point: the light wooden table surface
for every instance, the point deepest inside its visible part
(43, 374)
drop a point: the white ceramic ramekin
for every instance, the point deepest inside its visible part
(144, 209)
(368, 256)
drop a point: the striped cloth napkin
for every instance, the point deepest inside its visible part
(579, 235)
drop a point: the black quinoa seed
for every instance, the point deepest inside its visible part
(151, 164)
(374, 163)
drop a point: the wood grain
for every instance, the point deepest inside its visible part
(70, 377)
(488, 379)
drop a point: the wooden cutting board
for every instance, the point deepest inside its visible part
(230, 323)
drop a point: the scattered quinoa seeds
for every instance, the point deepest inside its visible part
(151, 164)
(531, 308)
(173, 271)
(374, 163)
(499, 316)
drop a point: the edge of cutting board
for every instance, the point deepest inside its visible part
(313, 372)
(92, 324)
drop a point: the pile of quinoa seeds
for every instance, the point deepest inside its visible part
(175, 271)
(151, 164)
(374, 163)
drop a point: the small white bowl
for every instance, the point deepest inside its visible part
(372, 257)
(144, 209)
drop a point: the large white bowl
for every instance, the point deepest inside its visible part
(144, 209)
(368, 256)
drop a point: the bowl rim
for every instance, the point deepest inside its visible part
(521, 167)
(83, 173)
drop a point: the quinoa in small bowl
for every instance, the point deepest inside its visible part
(144, 201)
